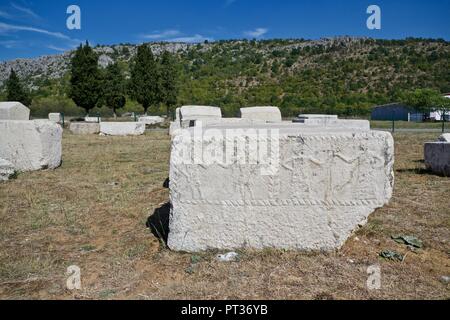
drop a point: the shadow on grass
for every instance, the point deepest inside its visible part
(414, 170)
(158, 223)
(420, 171)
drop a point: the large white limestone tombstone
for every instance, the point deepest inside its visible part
(267, 114)
(318, 187)
(122, 128)
(31, 145)
(13, 110)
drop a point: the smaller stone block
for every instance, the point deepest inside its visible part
(81, 128)
(93, 119)
(122, 128)
(12, 110)
(55, 117)
(437, 157)
(267, 114)
(151, 120)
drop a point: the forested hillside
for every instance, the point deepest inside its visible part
(344, 75)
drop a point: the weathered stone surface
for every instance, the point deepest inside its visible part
(331, 121)
(151, 120)
(55, 117)
(267, 114)
(122, 128)
(326, 183)
(6, 170)
(31, 145)
(14, 111)
(81, 128)
(445, 137)
(93, 119)
(437, 157)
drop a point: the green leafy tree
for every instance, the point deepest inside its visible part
(114, 88)
(144, 83)
(423, 100)
(168, 79)
(86, 80)
(15, 91)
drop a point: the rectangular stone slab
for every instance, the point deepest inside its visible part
(122, 128)
(81, 128)
(437, 157)
(327, 184)
(189, 114)
(267, 114)
(55, 117)
(12, 110)
(31, 145)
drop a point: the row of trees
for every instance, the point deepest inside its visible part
(424, 100)
(152, 81)
(15, 91)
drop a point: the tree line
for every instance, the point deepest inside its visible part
(152, 81)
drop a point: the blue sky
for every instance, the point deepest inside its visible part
(30, 28)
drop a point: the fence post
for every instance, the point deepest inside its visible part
(393, 121)
(62, 118)
(443, 121)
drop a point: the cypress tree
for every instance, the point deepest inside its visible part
(15, 91)
(85, 82)
(144, 84)
(114, 88)
(168, 87)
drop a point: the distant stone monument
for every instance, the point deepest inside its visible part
(82, 128)
(122, 128)
(55, 117)
(437, 155)
(14, 111)
(149, 120)
(266, 114)
(189, 114)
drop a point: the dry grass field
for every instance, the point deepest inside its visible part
(92, 212)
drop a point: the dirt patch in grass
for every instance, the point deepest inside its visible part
(92, 212)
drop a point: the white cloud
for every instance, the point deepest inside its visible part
(161, 35)
(52, 47)
(5, 15)
(173, 35)
(258, 32)
(6, 28)
(9, 44)
(26, 11)
(190, 39)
